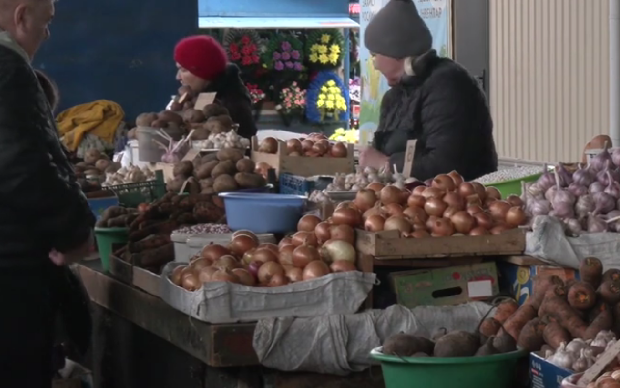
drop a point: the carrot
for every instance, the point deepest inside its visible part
(150, 242)
(520, 318)
(554, 335)
(609, 291)
(165, 227)
(154, 257)
(552, 292)
(558, 308)
(531, 336)
(581, 296)
(603, 321)
(540, 286)
(591, 271)
(505, 309)
(489, 327)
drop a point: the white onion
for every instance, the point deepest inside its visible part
(336, 250)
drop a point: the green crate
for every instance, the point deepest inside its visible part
(507, 188)
(133, 194)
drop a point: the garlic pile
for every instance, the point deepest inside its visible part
(131, 174)
(363, 177)
(579, 355)
(222, 140)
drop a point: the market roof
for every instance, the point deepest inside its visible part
(276, 22)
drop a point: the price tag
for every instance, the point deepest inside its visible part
(409, 156)
(203, 100)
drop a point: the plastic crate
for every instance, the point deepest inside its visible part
(295, 184)
(133, 194)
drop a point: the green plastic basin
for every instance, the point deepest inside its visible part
(496, 371)
(507, 188)
(106, 237)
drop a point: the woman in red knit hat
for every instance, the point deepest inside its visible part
(204, 67)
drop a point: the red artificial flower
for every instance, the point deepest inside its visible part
(245, 39)
(233, 48)
(246, 60)
(255, 58)
(245, 50)
(252, 48)
(235, 56)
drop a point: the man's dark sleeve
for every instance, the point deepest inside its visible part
(447, 114)
(50, 203)
(241, 113)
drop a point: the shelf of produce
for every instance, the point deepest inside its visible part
(223, 345)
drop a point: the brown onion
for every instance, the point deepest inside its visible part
(390, 194)
(432, 192)
(430, 222)
(450, 211)
(479, 231)
(339, 150)
(307, 223)
(444, 182)
(264, 255)
(419, 234)
(337, 250)
(285, 241)
(455, 200)
(322, 232)
(466, 189)
(473, 199)
(456, 177)
(499, 229)
(300, 238)
(474, 209)
(306, 145)
(315, 269)
(245, 277)
(415, 200)
(224, 275)
(376, 187)
(191, 282)
(214, 251)
(267, 270)
(435, 207)
(419, 190)
(241, 244)
(515, 216)
(286, 254)
(347, 216)
(201, 263)
(278, 280)
(304, 254)
(483, 220)
(342, 266)
(206, 274)
(442, 227)
(463, 222)
(247, 233)
(498, 210)
(493, 192)
(226, 261)
(365, 199)
(343, 232)
(398, 223)
(393, 209)
(272, 247)
(253, 268)
(514, 200)
(175, 276)
(480, 190)
(293, 145)
(419, 226)
(248, 257)
(374, 223)
(372, 211)
(294, 274)
(268, 145)
(415, 214)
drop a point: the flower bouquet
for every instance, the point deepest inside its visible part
(325, 49)
(243, 48)
(326, 100)
(292, 103)
(284, 53)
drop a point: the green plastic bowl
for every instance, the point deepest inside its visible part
(507, 188)
(451, 372)
(106, 237)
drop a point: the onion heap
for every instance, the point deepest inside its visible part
(586, 201)
(448, 206)
(317, 249)
(313, 145)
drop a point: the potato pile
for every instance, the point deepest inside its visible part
(314, 145)
(91, 173)
(164, 119)
(557, 312)
(225, 170)
(149, 244)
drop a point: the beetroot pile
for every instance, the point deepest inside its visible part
(586, 200)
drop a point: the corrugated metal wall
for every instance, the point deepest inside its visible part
(549, 72)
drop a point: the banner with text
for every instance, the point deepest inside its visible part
(436, 14)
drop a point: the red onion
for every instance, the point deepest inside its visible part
(565, 177)
(563, 201)
(546, 180)
(254, 267)
(599, 162)
(585, 205)
(603, 203)
(615, 156)
(596, 224)
(577, 190)
(613, 188)
(596, 187)
(583, 176)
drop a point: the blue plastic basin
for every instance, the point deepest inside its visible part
(263, 212)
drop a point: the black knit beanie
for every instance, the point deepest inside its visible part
(397, 31)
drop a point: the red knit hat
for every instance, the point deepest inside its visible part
(202, 56)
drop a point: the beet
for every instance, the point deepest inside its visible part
(406, 345)
(457, 344)
(505, 343)
(487, 349)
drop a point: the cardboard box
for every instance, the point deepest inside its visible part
(544, 374)
(517, 279)
(445, 286)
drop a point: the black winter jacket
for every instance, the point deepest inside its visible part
(234, 96)
(41, 204)
(444, 109)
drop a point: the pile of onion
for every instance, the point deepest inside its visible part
(313, 145)
(446, 206)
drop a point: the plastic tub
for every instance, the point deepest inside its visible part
(106, 237)
(507, 188)
(263, 212)
(464, 372)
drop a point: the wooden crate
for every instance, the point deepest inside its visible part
(303, 166)
(138, 277)
(389, 245)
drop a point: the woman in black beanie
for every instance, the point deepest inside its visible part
(432, 100)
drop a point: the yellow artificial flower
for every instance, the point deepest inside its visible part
(335, 49)
(320, 103)
(314, 57)
(325, 38)
(329, 104)
(322, 49)
(323, 58)
(334, 90)
(315, 48)
(333, 58)
(331, 97)
(331, 82)
(321, 96)
(324, 89)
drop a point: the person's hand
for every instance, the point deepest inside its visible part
(370, 157)
(74, 255)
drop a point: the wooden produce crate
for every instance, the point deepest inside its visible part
(389, 245)
(133, 275)
(303, 166)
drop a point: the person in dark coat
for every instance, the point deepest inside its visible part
(203, 66)
(44, 216)
(432, 100)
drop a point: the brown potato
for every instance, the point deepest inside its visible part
(224, 183)
(214, 110)
(145, 119)
(248, 180)
(204, 170)
(193, 116)
(159, 124)
(234, 155)
(183, 169)
(245, 165)
(223, 168)
(170, 117)
(175, 185)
